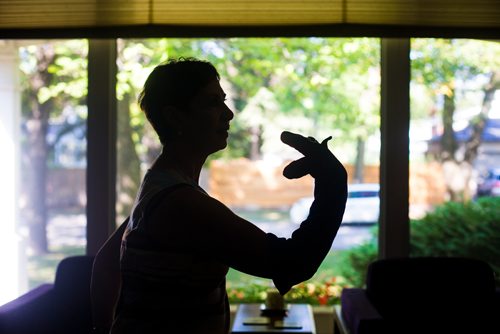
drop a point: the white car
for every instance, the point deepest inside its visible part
(362, 207)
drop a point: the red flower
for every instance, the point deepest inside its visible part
(323, 300)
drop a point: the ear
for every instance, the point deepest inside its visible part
(173, 118)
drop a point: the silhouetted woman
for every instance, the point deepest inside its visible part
(180, 242)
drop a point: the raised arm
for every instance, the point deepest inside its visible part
(215, 231)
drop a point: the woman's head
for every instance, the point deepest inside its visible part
(172, 85)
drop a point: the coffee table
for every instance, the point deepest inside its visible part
(339, 325)
(299, 319)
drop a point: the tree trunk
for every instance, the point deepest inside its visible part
(457, 177)
(37, 151)
(478, 124)
(128, 162)
(359, 164)
(448, 142)
(36, 163)
(451, 168)
(255, 142)
(459, 174)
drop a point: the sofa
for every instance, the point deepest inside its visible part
(61, 307)
(423, 295)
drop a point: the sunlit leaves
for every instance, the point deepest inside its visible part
(335, 82)
(55, 71)
(455, 68)
(437, 63)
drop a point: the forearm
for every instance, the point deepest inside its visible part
(298, 258)
(330, 196)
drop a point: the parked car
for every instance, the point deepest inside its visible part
(490, 184)
(362, 207)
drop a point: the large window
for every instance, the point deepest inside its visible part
(315, 86)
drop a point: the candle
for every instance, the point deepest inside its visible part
(274, 300)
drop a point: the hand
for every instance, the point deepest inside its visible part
(318, 161)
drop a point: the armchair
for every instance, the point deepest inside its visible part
(62, 307)
(423, 295)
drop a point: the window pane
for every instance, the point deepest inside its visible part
(52, 222)
(315, 86)
(455, 144)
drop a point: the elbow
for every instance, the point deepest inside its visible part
(309, 271)
(303, 270)
(286, 280)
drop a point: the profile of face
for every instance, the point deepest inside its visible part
(206, 123)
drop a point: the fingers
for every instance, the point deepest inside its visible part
(298, 142)
(312, 139)
(326, 140)
(317, 160)
(296, 169)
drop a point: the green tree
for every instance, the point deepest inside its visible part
(333, 82)
(444, 66)
(53, 81)
(336, 84)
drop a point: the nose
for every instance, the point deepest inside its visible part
(229, 114)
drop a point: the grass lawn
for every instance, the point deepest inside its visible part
(328, 268)
(42, 268)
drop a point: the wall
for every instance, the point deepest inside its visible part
(245, 183)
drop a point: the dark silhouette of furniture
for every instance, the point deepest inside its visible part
(62, 307)
(423, 295)
(300, 317)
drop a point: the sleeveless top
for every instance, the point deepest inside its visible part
(164, 289)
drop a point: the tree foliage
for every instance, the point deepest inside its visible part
(332, 82)
(448, 70)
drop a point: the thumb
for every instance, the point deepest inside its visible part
(296, 169)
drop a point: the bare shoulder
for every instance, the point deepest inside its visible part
(188, 197)
(187, 207)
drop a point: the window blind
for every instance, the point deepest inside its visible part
(19, 14)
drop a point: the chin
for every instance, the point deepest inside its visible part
(220, 147)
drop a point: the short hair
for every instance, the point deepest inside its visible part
(173, 83)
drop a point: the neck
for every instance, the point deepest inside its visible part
(186, 165)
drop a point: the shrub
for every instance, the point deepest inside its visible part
(456, 229)
(355, 262)
(452, 229)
